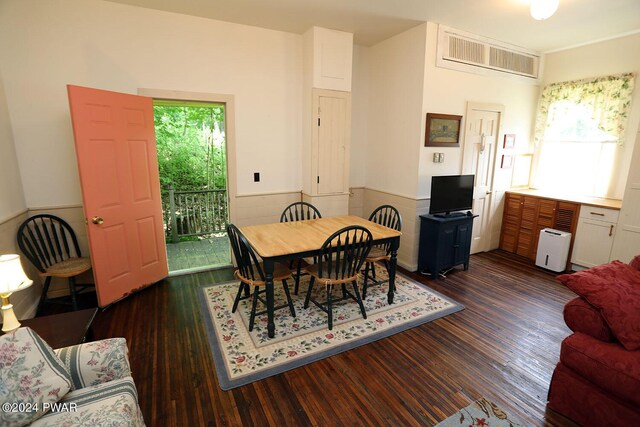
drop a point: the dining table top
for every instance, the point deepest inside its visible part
(285, 238)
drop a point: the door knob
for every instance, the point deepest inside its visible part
(489, 192)
(97, 220)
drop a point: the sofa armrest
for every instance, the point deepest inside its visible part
(96, 362)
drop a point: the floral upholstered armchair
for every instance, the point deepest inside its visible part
(86, 384)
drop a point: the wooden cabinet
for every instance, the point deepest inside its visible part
(525, 215)
(444, 243)
(594, 236)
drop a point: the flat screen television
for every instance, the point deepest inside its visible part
(451, 193)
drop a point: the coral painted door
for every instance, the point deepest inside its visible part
(117, 160)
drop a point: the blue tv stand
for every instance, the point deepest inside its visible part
(445, 242)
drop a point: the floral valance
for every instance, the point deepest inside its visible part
(606, 100)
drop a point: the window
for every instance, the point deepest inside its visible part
(579, 128)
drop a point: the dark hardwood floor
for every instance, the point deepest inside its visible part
(503, 346)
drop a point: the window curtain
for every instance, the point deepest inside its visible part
(608, 100)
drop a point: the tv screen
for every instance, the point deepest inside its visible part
(451, 193)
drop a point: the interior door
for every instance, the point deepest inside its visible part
(116, 152)
(480, 144)
(332, 121)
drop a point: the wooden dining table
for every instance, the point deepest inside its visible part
(285, 241)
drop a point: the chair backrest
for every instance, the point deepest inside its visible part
(299, 211)
(388, 216)
(46, 240)
(246, 259)
(344, 252)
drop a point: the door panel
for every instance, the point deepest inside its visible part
(117, 160)
(480, 146)
(331, 145)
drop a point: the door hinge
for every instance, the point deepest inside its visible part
(318, 121)
(318, 179)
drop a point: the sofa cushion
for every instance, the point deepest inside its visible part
(114, 403)
(96, 362)
(607, 365)
(30, 374)
(615, 290)
(580, 316)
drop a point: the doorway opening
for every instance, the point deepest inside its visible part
(192, 161)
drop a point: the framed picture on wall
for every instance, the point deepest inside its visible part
(442, 130)
(509, 140)
(507, 162)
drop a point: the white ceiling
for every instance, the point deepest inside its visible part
(371, 21)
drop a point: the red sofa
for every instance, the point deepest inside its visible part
(597, 381)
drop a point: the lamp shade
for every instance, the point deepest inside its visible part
(12, 276)
(543, 9)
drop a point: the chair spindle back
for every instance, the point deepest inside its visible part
(47, 240)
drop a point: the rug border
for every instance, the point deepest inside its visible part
(227, 384)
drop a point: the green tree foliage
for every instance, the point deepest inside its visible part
(190, 140)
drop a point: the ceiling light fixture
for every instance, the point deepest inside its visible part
(543, 9)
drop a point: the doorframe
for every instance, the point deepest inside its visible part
(495, 108)
(230, 134)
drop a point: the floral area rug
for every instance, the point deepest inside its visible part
(242, 357)
(481, 413)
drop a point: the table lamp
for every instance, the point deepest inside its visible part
(12, 279)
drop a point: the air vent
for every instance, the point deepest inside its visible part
(468, 52)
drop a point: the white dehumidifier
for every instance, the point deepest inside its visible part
(553, 249)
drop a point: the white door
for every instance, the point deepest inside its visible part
(332, 144)
(480, 146)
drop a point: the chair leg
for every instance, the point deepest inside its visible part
(329, 305)
(373, 270)
(242, 287)
(366, 280)
(286, 291)
(252, 318)
(357, 294)
(72, 291)
(306, 300)
(344, 291)
(298, 268)
(247, 290)
(43, 296)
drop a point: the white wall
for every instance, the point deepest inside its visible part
(396, 76)
(448, 91)
(11, 193)
(46, 45)
(621, 55)
(360, 115)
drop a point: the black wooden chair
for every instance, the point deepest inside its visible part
(388, 216)
(299, 211)
(250, 272)
(51, 245)
(339, 262)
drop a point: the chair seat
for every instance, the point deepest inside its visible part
(325, 279)
(377, 253)
(280, 272)
(68, 268)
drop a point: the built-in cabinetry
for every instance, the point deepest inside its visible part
(594, 236)
(327, 117)
(444, 243)
(525, 215)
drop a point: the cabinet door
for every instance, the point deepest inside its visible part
(546, 219)
(510, 222)
(527, 233)
(463, 243)
(446, 246)
(593, 242)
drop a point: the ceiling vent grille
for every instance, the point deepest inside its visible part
(467, 52)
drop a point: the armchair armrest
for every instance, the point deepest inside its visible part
(96, 362)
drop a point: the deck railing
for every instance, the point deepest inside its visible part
(194, 213)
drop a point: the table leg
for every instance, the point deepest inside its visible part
(268, 272)
(395, 243)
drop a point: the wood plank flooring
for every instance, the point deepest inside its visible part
(503, 346)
